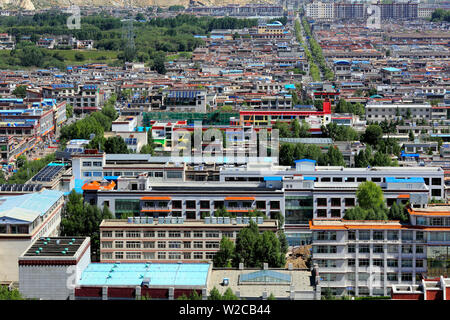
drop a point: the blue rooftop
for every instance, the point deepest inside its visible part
(391, 69)
(406, 180)
(132, 274)
(305, 160)
(272, 178)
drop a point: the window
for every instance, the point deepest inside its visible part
(437, 236)
(392, 277)
(133, 244)
(349, 202)
(118, 255)
(392, 235)
(437, 221)
(351, 262)
(174, 255)
(174, 244)
(407, 263)
(322, 202)
(187, 244)
(212, 245)
(351, 248)
(378, 248)
(133, 255)
(161, 244)
(107, 244)
(174, 234)
(407, 248)
(119, 234)
(392, 249)
(149, 244)
(190, 204)
(419, 249)
(419, 263)
(322, 213)
(161, 255)
(378, 235)
(392, 263)
(352, 235)
(364, 235)
(161, 234)
(107, 234)
(364, 248)
(407, 235)
(378, 262)
(198, 255)
(335, 213)
(210, 255)
(407, 276)
(149, 234)
(107, 255)
(228, 234)
(119, 244)
(335, 202)
(198, 234)
(436, 181)
(419, 236)
(87, 164)
(363, 262)
(211, 234)
(149, 255)
(186, 255)
(187, 234)
(133, 234)
(198, 244)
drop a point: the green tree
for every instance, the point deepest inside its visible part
(79, 56)
(373, 134)
(116, 145)
(271, 297)
(7, 294)
(20, 91)
(229, 295)
(335, 157)
(223, 257)
(69, 111)
(81, 219)
(369, 195)
(214, 294)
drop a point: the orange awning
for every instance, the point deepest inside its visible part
(238, 210)
(239, 198)
(156, 198)
(403, 196)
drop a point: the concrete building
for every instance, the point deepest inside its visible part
(376, 112)
(50, 266)
(370, 257)
(23, 220)
(320, 10)
(169, 239)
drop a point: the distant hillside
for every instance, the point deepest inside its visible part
(39, 4)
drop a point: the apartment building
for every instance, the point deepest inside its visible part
(84, 98)
(376, 112)
(370, 257)
(23, 219)
(145, 239)
(320, 10)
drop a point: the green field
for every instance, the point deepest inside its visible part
(90, 56)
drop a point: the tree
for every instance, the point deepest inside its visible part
(373, 134)
(147, 149)
(69, 111)
(271, 297)
(369, 195)
(20, 91)
(335, 157)
(116, 145)
(7, 294)
(158, 63)
(398, 212)
(81, 219)
(229, 295)
(225, 254)
(214, 294)
(79, 56)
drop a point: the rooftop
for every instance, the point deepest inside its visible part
(136, 274)
(55, 247)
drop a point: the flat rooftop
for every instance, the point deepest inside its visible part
(134, 274)
(300, 280)
(55, 247)
(118, 223)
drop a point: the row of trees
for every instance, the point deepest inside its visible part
(317, 52)
(26, 169)
(346, 107)
(253, 249)
(371, 205)
(290, 152)
(313, 69)
(292, 130)
(339, 133)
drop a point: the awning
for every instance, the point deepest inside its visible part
(403, 196)
(240, 198)
(156, 198)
